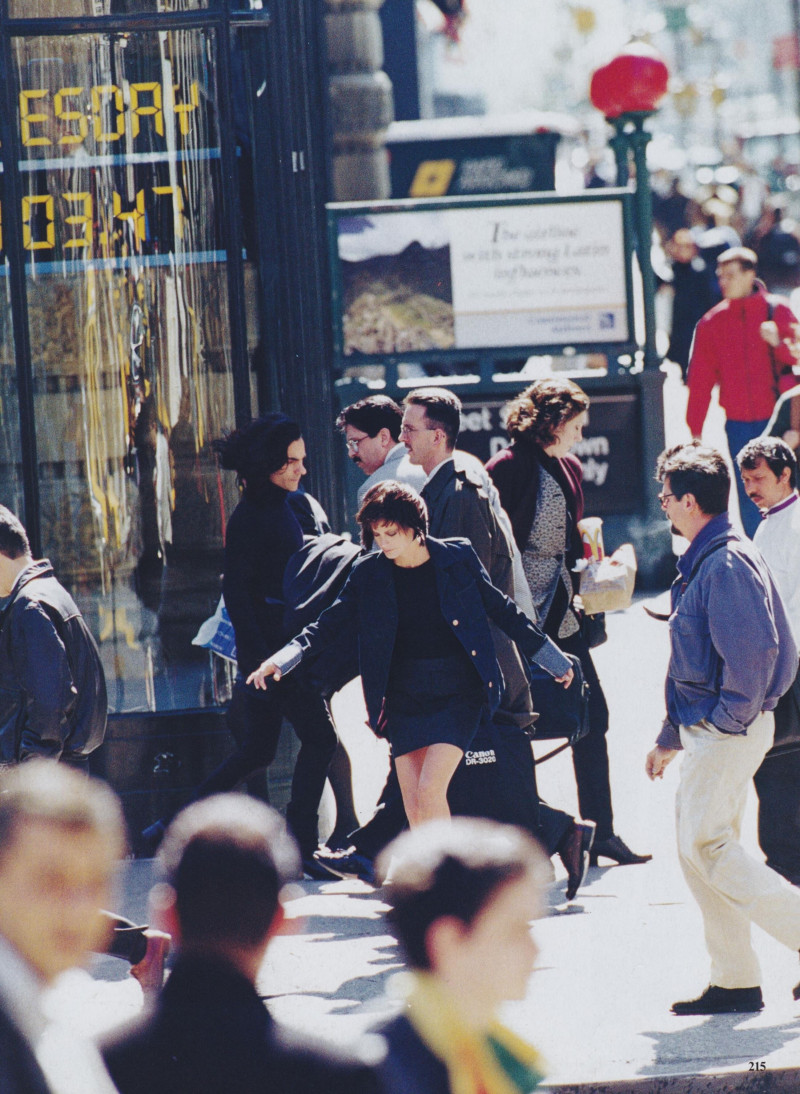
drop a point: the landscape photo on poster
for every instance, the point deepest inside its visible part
(397, 291)
(493, 275)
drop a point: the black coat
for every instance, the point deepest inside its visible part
(52, 687)
(262, 535)
(211, 1034)
(19, 1071)
(367, 607)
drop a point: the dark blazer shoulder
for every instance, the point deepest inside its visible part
(19, 1070)
(409, 1066)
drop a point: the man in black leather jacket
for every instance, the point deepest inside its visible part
(52, 687)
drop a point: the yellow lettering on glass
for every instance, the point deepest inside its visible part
(135, 217)
(183, 110)
(84, 219)
(28, 242)
(99, 93)
(177, 206)
(26, 119)
(155, 108)
(60, 100)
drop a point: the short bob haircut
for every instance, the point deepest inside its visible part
(543, 408)
(775, 453)
(452, 869)
(698, 469)
(392, 502)
(259, 448)
(227, 858)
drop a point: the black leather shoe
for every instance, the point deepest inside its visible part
(347, 864)
(314, 870)
(716, 1000)
(618, 851)
(574, 853)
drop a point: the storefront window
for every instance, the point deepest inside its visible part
(129, 330)
(10, 446)
(64, 9)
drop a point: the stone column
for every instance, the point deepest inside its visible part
(361, 100)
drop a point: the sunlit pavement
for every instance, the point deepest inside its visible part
(611, 963)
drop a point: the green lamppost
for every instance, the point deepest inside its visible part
(627, 91)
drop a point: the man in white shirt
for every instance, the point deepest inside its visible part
(61, 836)
(371, 429)
(769, 472)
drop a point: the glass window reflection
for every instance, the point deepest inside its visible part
(128, 313)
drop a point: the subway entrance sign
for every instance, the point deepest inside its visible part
(482, 295)
(610, 452)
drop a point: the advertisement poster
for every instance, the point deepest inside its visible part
(478, 277)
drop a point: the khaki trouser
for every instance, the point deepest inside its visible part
(731, 888)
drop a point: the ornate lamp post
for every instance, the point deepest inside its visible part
(627, 91)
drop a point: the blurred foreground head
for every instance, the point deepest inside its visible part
(61, 836)
(463, 893)
(226, 860)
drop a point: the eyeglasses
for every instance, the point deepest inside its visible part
(411, 429)
(663, 498)
(353, 443)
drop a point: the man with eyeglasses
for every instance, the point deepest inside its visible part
(371, 429)
(732, 657)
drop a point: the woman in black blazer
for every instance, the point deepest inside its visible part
(419, 610)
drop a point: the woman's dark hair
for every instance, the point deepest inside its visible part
(542, 408)
(391, 502)
(452, 869)
(258, 449)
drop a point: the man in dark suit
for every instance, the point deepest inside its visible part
(226, 861)
(61, 835)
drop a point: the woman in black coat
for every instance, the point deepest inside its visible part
(419, 609)
(262, 534)
(539, 483)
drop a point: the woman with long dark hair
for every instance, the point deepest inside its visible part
(539, 483)
(419, 610)
(262, 534)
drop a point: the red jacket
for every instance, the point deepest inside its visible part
(728, 350)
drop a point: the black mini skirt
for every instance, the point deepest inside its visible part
(433, 701)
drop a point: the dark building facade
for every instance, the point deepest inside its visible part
(163, 276)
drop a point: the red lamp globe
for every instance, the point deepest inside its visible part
(634, 82)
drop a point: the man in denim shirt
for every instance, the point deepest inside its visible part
(732, 657)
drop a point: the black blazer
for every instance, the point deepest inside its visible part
(367, 607)
(19, 1071)
(211, 1034)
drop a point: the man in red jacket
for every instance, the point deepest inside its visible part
(746, 344)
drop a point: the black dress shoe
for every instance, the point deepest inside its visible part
(347, 864)
(315, 871)
(574, 853)
(618, 851)
(716, 1000)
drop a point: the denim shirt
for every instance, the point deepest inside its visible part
(732, 650)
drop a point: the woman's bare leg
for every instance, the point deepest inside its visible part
(424, 777)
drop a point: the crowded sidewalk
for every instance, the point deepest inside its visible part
(611, 962)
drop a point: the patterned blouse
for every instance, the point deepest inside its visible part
(543, 559)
